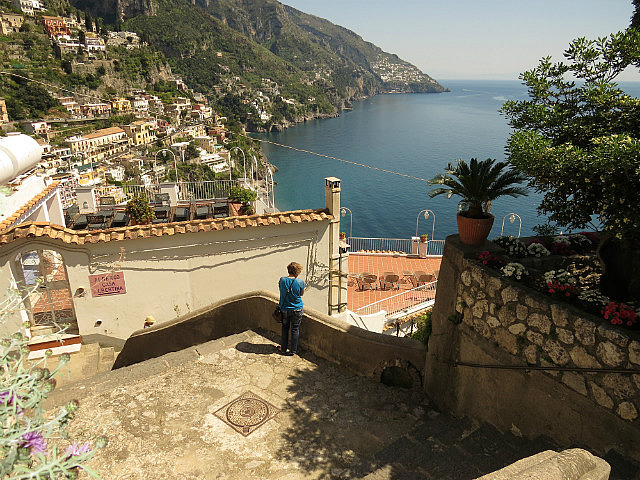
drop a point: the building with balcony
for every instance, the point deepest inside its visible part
(141, 132)
(29, 7)
(95, 109)
(99, 144)
(10, 23)
(54, 26)
(121, 105)
(71, 105)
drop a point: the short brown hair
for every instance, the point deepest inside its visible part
(294, 269)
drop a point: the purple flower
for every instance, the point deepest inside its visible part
(77, 449)
(8, 398)
(35, 442)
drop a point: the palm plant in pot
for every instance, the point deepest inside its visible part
(478, 183)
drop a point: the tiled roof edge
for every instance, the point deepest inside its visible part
(81, 237)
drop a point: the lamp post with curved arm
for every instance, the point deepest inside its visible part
(175, 162)
(343, 213)
(273, 192)
(244, 162)
(427, 213)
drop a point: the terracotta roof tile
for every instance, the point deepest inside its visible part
(81, 237)
(7, 222)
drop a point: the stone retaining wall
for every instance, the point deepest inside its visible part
(481, 318)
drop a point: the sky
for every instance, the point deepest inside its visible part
(475, 39)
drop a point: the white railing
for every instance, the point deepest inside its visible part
(402, 301)
(358, 244)
(402, 245)
(187, 190)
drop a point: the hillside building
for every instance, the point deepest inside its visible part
(54, 26)
(29, 7)
(4, 114)
(95, 109)
(121, 105)
(141, 132)
(71, 105)
(99, 144)
(10, 23)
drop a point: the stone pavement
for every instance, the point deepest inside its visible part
(165, 419)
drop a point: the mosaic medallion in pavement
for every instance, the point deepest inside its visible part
(246, 413)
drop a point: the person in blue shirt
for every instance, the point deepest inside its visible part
(291, 291)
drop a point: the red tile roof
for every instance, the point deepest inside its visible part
(7, 222)
(80, 237)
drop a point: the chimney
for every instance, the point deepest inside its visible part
(337, 264)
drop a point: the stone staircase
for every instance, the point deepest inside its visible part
(91, 359)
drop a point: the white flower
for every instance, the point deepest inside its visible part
(537, 250)
(561, 276)
(515, 270)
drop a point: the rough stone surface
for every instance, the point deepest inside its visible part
(634, 352)
(539, 322)
(582, 359)
(565, 336)
(531, 354)
(559, 315)
(480, 308)
(509, 294)
(557, 353)
(478, 277)
(517, 328)
(507, 341)
(601, 396)
(535, 337)
(493, 322)
(627, 411)
(615, 335)
(522, 312)
(619, 385)
(466, 278)
(492, 286)
(575, 381)
(478, 294)
(506, 316)
(468, 299)
(585, 331)
(535, 304)
(610, 354)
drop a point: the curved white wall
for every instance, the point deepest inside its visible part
(18, 153)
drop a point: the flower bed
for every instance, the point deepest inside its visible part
(564, 267)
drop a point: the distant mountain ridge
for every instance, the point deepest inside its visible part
(212, 43)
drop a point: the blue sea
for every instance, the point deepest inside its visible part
(413, 134)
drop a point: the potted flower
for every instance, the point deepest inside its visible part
(343, 235)
(244, 196)
(139, 210)
(478, 183)
(424, 237)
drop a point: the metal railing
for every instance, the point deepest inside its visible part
(358, 244)
(187, 190)
(385, 245)
(402, 301)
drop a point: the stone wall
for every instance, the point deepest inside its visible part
(362, 352)
(481, 318)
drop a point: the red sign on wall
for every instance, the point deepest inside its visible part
(107, 284)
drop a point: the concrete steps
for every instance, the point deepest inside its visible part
(90, 360)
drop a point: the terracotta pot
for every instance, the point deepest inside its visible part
(474, 231)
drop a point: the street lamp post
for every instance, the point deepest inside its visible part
(253, 181)
(427, 213)
(273, 192)
(175, 162)
(343, 213)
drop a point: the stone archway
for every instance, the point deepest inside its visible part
(398, 373)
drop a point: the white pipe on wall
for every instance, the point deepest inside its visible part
(18, 153)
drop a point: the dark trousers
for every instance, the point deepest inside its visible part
(291, 319)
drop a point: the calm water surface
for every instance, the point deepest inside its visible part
(415, 134)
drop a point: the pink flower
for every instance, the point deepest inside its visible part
(76, 449)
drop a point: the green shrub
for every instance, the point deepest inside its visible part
(423, 329)
(244, 195)
(139, 209)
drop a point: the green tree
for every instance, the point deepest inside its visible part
(577, 137)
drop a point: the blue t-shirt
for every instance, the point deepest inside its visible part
(291, 300)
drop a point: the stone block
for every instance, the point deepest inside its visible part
(492, 308)
(509, 294)
(559, 315)
(556, 352)
(506, 316)
(620, 386)
(467, 316)
(517, 328)
(493, 285)
(493, 322)
(539, 322)
(531, 354)
(480, 308)
(600, 396)
(478, 277)
(585, 331)
(465, 277)
(610, 354)
(468, 299)
(634, 352)
(615, 335)
(535, 337)
(636, 380)
(573, 464)
(565, 336)
(533, 303)
(507, 341)
(482, 328)
(581, 358)
(627, 411)
(522, 312)
(575, 381)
